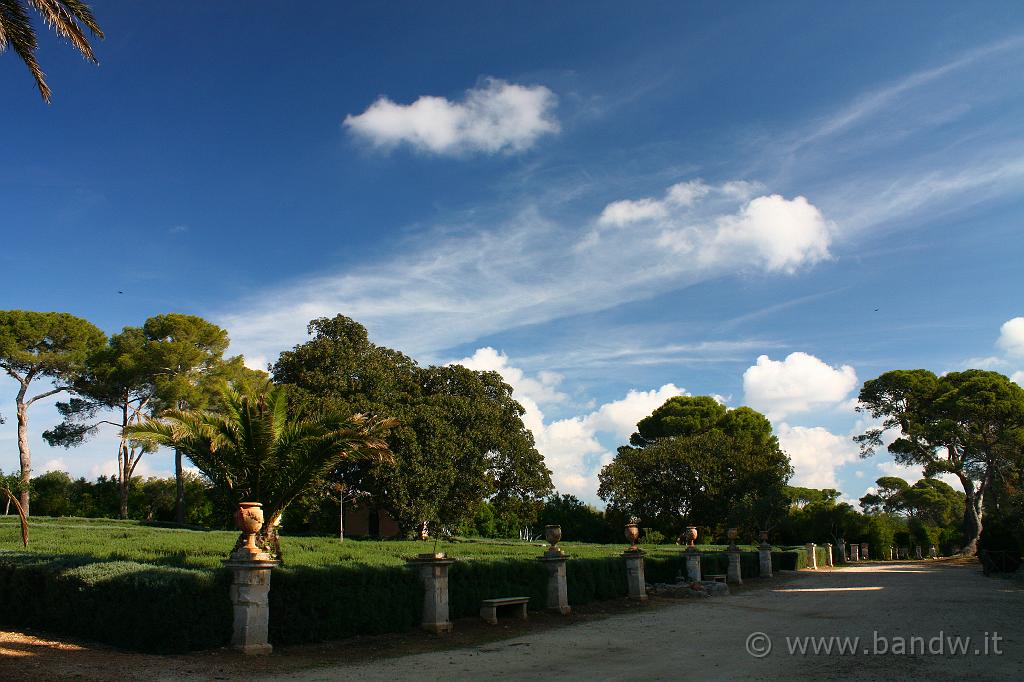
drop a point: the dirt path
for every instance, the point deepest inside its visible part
(667, 641)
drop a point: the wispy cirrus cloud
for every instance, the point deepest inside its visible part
(445, 289)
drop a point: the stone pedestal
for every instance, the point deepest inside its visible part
(635, 575)
(917, 552)
(558, 590)
(855, 552)
(433, 573)
(829, 559)
(933, 553)
(692, 557)
(864, 551)
(812, 556)
(735, 573)
(250, 589)
(842, 557)
(764, 558)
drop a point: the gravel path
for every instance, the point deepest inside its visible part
(706, 639)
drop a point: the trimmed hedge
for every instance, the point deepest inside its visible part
(127, 604)
(165, 609)
(320, 604)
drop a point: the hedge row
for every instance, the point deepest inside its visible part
(127, 604)
(164, 609)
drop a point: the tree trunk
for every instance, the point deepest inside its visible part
(341, 518)
(124, 499)
(179, 501)
(24, 452)
(973, 513)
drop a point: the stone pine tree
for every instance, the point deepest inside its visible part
(115, 389)
(188, 357)
(51, 347)
(969, 424)
(695, 461)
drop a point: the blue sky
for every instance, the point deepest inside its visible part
(610, 204)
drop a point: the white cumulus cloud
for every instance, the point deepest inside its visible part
(497, 116)
(799, 383)
(816, 453)
(1011, 337)
(570, 446)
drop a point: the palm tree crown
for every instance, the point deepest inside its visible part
(68, 18)
(258, 452)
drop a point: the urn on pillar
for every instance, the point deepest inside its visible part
(732, 534)
(553, 534)
(249, 520)
(632, 536)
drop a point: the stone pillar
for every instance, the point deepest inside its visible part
(692, 565)
(841, 546)
(933, 553)
(434, 575)
(735, 573)
(864, 551)
(855, 552)
(250, 589)
(635, 575)
(892, 553)
(829, 559)
(558, 590)
(812, 556)
(764, 559)
(917, 552)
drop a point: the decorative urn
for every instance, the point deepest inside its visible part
(732, 534)
(691, 535)
(632, 535)
(249, 519)
(553, 534)
(764, 537)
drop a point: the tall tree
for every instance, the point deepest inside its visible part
(256, 452)
(460, 438)
(68, 18)
(120, 379)
(692, 460)
(48, 346)
(188, 357)
(969, 424)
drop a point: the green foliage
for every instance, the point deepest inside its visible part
(970, 424)
(460, 439)
(258, 453)
(127, 604)
(580, 522)
(694, 462)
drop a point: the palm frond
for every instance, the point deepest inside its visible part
(63, 16)
(16, 30)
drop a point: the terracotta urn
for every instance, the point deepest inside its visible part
(764, 537)
(732, 534)
(691, 534)
(249, 519)
(632, 535)
(553, 534)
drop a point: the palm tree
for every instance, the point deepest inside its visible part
(68, 18)
(255, 451)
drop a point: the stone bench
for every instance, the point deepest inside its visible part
(716, 577)
(489, 607)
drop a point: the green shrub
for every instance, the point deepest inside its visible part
(136, 606)
(320, 604)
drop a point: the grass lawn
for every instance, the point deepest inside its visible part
(110, 539)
